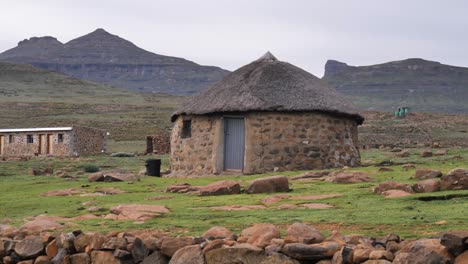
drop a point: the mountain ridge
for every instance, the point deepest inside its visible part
(102, 57)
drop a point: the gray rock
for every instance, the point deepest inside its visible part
(29, 248)
(300, 251)
(268, 185)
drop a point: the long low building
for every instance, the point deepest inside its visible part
(53, 141)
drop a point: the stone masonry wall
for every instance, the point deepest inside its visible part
(89, 140)
(299, 141)
(196, 154)
(19, 147)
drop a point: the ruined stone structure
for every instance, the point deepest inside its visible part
(266, 116)
(52, 141)
(158, 144)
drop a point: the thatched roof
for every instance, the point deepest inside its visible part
(268, 84)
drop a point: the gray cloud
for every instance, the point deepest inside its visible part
(230, 34)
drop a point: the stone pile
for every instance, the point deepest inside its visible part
(259, 244)
(456, 179)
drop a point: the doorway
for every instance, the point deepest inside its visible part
(2, 144)
(234, 143)
(50, 144)
(42, 144)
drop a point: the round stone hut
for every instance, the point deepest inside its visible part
(266, 116)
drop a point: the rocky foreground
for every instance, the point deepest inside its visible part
(258, 244)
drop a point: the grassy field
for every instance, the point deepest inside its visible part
(357, 211)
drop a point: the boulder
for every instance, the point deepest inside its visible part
(381, 254)
(423, 251)
(246, 255)
(51, 249)
(42, 260)
(303, 233)
(425, 186)
(423, 174)
(220, 188)
(268, 185)
(462, 259)
(139, 212)
(117, 175)
(377, 261)
(440, 152)
(313, 252)
(259, 235)
(182, 188)
(170, 245)
(456, 179)
(213, 244)
(82, 241)
(29, 248)
(391, 185)
(426, 153)
(348, 177)
(408, 166)
(104, 257)
(39, 225)
(218, 232)
(80, 258)
(453, 243)
(156, 258)
(188, 255)
(139, 251)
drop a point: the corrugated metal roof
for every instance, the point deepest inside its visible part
(36, 129)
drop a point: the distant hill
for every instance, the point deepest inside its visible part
(105, 58)
(425, 86)
(34, 97)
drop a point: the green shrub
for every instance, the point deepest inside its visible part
(91, 168)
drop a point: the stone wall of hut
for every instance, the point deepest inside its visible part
(299, 141)
(274, 142)
(89, 140)
(19, 147)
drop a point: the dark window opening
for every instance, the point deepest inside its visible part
(10, 139)
(29, 139)
(186, 129)
(60, 138)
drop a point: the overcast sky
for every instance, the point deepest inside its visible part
(230, 34)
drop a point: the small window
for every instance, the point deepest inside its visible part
(29, 139)
(10, 139)
(60, 138)
(186, 129)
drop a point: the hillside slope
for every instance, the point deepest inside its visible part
(106, 58)
(425, 86)
(33, 97)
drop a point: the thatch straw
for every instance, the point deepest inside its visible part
(270, 85)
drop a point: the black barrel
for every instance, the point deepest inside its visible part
(153, 167)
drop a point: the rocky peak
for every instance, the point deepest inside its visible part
(333, 67)
(99, 39)
(47, 40)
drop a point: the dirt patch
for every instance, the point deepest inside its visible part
(159, 197)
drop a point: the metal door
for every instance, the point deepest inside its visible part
(234, 143)
(2, 144)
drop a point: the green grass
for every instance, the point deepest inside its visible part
(357, 211)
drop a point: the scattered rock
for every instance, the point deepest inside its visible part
(65, 192)
(259, 235)
(408, 166)
(395, 193)
(139, 251)
(220, 188)
(181, 188)
(237, 207)
(302, 233)
(156, 258)
(287, 206)
(453, 243)
(456, 179)
(311, 175)
(104, 257)
(348, 177)
(383, 169)
(159, 197)
(317, 206)
(117, 175)
(80, 258)
(268, 185)
(440, 152)
(110, 191)
(391, 185)
(423, 174)
(425, 186)
(137, 211)
(426, 153)
(402, 154)
(462, 259)
(218, 232)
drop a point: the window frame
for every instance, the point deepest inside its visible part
(186, 131)
(60, 138)
(29, 139)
